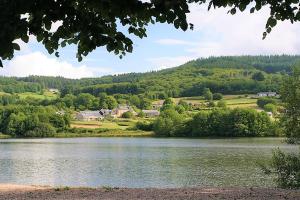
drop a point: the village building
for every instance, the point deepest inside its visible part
(267, 94)
(121, 109)
(151, 113)
(88, 115)
(105, 112)
(53, 90)
(157, 105)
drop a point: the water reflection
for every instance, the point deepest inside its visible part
(136, 162)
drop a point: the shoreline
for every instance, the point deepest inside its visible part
(11, 191)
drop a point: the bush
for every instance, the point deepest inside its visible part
(167, 124)
(222, 104)
(270, 108)
(41, 130)
(261, 102)
(144, 126)
(286, 168)
(127, 115)
(217, 96)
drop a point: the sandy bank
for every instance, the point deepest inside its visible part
(38, 192)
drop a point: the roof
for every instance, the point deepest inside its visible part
(150, 111)
(266, 93)
(88, 113)
(122, 107)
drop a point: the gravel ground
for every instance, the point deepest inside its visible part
(12, 192)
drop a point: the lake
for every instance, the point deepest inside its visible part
(137, 162)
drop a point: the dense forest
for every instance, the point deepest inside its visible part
(226, 75)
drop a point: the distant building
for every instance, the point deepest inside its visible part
(267, 94)
(270, 114)
(151, 113)
(88, 115)
(158, 104)
(53, 90)
(118, 112)
(105, 112)
(60, 112)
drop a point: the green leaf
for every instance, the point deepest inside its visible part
(1, 65)
(25, 38)
(252, 10)
(64, 43)
(39, 37)
(57, 54)
(233, 11)
(16, 46)
(271, 22)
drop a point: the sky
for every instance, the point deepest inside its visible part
(215, 33)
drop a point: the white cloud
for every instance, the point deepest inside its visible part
(173, 42)
(240, 34)
(37, 63)
(167, 62)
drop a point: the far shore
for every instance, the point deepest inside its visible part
(14, 192)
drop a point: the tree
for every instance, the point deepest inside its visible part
(111, 102)
(261, 102)
(92, 24)
(207, 94)
(217, 96)
(270, 108)
(127, 115)
(222, 104)
(290, 94)
(167, 123)
(258, 76)
(286, 169)
(168, 101)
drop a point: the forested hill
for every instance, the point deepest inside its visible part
(227, 75)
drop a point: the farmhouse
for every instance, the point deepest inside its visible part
(88, 115)
(105, 112)
(151, 113)
(267, 94)
(117, 112)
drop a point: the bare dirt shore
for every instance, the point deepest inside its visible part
(12, 192)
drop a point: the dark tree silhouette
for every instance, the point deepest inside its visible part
(95, 23)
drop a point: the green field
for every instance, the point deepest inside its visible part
(46, 95)
(117, 124)
(110, 133)
(232, 101)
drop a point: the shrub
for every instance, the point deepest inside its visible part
(270, 108)
(144, 126)
(127, 115)
(286, 168)
(41, 130)
(222, 104)
(261, 102)
(217, 96)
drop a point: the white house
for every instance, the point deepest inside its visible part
(88, 115)
(151, 113)
(53, 90)
(267, 94)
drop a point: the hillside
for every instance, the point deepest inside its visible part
(227, 75)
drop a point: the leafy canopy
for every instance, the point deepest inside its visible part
(95, 23)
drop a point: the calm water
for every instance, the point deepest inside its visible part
(136, 162)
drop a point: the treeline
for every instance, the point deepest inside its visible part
(32, 121)
(227, 75)
(220, 122)
(12, 85)
(81, 101)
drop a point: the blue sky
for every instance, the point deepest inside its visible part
(216, 33)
